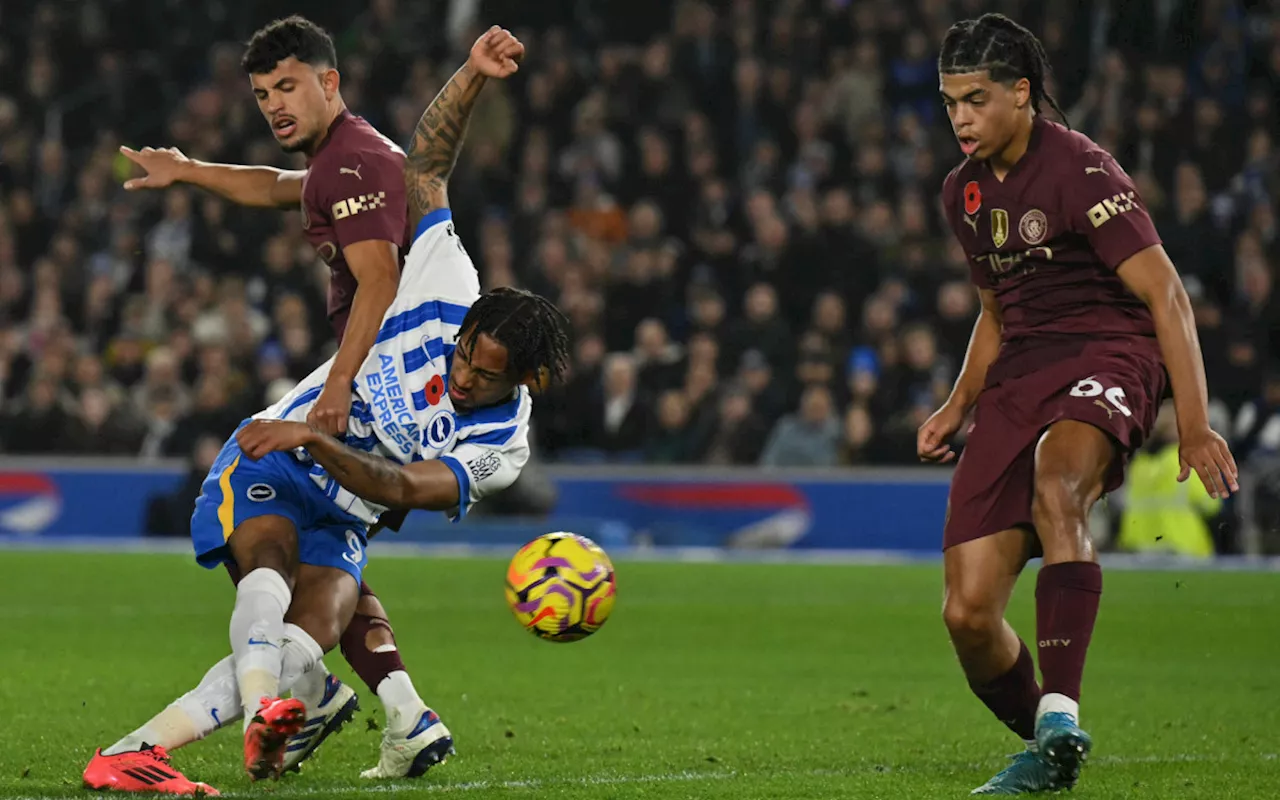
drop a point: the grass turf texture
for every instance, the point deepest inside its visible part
(710, 681)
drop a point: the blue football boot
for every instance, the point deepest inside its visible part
(1029, 773)
(1063, 745)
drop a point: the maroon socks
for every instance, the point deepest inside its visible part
(1067, 596)
(1014, 696)
(372, 667)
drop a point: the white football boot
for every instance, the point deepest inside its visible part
(409, 751)
(325, 715)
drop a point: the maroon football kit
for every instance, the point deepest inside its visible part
(1076, 343)
(353, 192)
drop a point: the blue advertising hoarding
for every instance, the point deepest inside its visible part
(894, 509)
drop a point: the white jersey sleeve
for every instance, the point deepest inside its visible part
(490, 450)
(437, 266)
(483, 470)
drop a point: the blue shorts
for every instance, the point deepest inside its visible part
(238, 489)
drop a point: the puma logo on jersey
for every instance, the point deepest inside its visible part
(1096, 170)
(973, 222)
(1105, 408)
(354, 205)
(349, 171)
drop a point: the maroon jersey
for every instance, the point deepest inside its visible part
(1047, 240)
(353, 192)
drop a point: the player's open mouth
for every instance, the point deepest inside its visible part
(457, 396)
(968, 145)
(284, 127)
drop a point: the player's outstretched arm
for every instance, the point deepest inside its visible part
(263, 187)
(1151, 276)
(984, 346)
(438, 138)
(429, 485)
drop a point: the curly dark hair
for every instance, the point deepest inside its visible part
(1002, 47)
(292, 36)
(534, 331)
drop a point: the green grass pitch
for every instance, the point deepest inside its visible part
(710, 681)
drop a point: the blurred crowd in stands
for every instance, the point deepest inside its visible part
(735, 202)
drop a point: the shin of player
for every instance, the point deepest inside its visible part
(139, 761)
(369, 646)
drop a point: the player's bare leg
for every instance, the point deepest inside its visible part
(1072, 462)
(980, 576)
(414, 739)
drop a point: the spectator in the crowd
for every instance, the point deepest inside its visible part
(808, 438)
(620, 417)
(99, 427)
(857, 446)
(672, 441)
(37, 424)
(735, 435)
(657, 357)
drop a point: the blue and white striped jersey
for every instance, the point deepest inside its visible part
(400, 408)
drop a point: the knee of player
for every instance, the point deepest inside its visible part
(970, 619)
(1058, 498)
(324, 629)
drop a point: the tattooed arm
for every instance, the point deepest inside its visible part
(438, 137)
(429, 485)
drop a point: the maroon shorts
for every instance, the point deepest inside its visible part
(1112, 388)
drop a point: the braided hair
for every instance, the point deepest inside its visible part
(1002, 47)
(529, 326)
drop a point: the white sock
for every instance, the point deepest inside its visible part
(199, 712)
(216, 701)
(400, 700)
(257, 636)
(1057, 704)
(302, 671)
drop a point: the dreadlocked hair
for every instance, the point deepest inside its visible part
(1005, 49)
(532, 329)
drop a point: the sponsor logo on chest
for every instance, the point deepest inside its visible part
(392, 411)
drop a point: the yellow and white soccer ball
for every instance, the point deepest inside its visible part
(561, 587)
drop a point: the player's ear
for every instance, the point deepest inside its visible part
(538, 382)
(330, 81)
(1021, 93)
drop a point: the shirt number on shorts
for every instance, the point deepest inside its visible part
(1091, 388)
(356, 554)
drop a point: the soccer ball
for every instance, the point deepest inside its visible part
(561, 587)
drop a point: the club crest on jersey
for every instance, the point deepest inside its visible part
(1033, 227)
(972, 198)
(439, 432)
(999, 226)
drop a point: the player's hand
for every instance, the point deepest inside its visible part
(163, 166)
(329, 414)
(497, 53)
(264, 436)
(931, 439)
(1207, 453)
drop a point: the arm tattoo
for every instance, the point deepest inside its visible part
(437, 140)
(365, 475)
